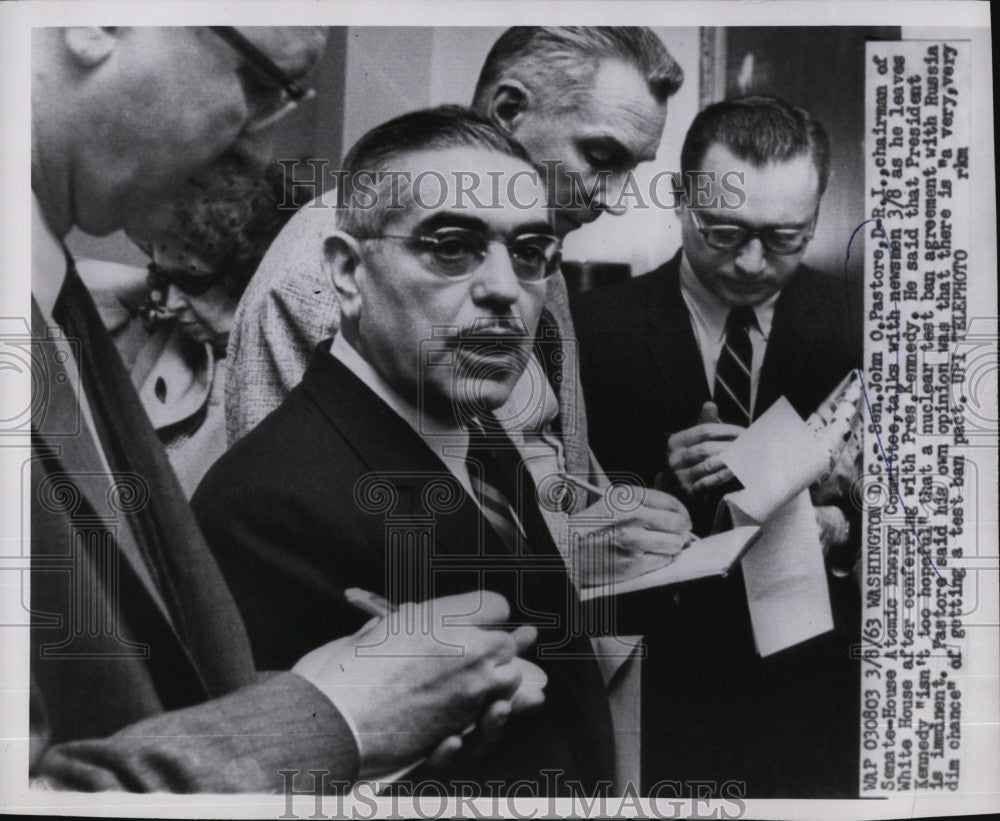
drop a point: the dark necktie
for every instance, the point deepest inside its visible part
(164, 527)
(493, 467)
(732, 376)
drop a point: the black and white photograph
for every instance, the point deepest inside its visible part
(498, 409)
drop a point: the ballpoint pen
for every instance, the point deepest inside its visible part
(589, 486)
(371, 603)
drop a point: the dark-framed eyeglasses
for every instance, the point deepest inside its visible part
(270, 91)
(193, 284)
(456, 252)
(776, 240)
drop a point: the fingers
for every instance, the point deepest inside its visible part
(649, 562)
(690, 456)
(474, 607)
(487, 732)
(713, 480)
(663, 501)
(506, 679)
(445, 752)
(703, 433)
(658, 521)
(709, 413)
(492, 724)
(524, 638)
(527, 698)
(636, 540)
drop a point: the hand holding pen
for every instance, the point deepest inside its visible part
(405, 693)
(632, 531)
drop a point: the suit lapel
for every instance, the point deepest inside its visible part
(63, 434)
(793, 335)
(387, 445)
(672, 344)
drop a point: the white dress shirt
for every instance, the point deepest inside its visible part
(708, 319)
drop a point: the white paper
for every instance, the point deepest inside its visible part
(712, 556)
(785, 579)
(776, 459)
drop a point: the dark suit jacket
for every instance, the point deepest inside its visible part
(142, 677)
(321, 496)
(643, 374)
(785, 725)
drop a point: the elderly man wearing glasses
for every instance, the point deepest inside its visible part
(675, 365)
(399, 462)
(142, 674)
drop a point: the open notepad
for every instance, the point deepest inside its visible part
(713, 556)
(776, 460)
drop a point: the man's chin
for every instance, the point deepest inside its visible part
(475, 397)
(745, 297)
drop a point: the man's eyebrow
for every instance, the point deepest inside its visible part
(449, 219)
(537, 227)
(623, 155)
(452, 219)
(718, 220)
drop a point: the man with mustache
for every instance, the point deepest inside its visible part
(393, 466)
(588, 103)
(141, 671)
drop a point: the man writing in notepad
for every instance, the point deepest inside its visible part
(675, 365)
(391, 466)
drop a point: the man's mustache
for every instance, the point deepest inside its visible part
(492, 328)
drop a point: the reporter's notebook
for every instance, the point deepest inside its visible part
(713, 556)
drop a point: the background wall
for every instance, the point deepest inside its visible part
(370, 74)
(386, 78)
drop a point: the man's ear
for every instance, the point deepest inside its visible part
(680, 194)
(90, 45)
(509, 103)
(341, 263)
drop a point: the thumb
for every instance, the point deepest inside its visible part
(709, 413)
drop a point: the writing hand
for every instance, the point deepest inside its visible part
(620, 544)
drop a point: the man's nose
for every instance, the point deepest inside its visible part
(495, 280)
(610, 198)
(751, 257)
(176, 300)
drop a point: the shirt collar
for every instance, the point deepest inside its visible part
(48, 261)
(712, 311)
(512, 414)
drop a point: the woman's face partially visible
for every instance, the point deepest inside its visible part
(205, 317)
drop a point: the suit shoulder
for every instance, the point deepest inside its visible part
(273, 457)
(600, 305)
(829, 291)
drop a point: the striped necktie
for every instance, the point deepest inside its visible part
(732, 376)
(493, 469)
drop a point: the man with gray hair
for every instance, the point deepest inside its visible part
(142, 677)
(393, 465)
(587, 103)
